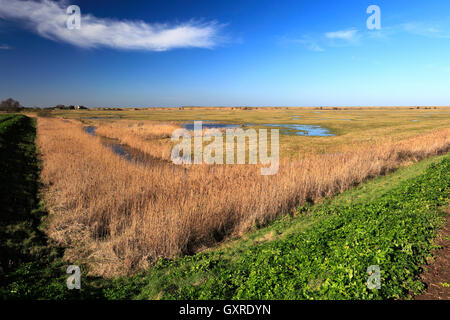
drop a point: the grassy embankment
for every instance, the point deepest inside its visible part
(20, 210)
(30, 267)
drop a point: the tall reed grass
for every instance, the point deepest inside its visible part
(148, 136)
(118, 217)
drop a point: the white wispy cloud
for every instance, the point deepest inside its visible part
(347, 35)
(310, 44)
(4, 47)
(48, 19)
(352, 36)
(319, 42)
(430, 30)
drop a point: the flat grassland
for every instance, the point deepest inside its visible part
(352, 126)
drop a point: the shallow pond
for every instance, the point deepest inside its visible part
(190, 126)
(285, 129)
(299, 129)
(303, 130)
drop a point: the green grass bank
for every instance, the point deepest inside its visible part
(30, 266)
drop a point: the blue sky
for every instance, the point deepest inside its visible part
(226, 53)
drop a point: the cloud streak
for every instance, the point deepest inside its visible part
(48, 19)
(347, 35)
(319, 42)
(4, 47)
(310, 44)
(425, 30)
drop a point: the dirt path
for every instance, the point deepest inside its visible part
(437, 275)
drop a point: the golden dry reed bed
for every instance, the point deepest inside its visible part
(117, 216)
(147, 136)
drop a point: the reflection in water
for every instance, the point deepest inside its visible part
(286, 129)
(190, 126)
(304, 130)
(116, 147)
(126, 152)
(90, 130)
(299, 129)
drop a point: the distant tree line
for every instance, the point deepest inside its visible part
(11, 105)
(63, 107)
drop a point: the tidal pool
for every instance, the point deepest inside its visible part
(302, 130)
(190, 126)
(298, 129)
(286, 129)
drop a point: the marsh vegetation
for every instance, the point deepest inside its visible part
(118, 216)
